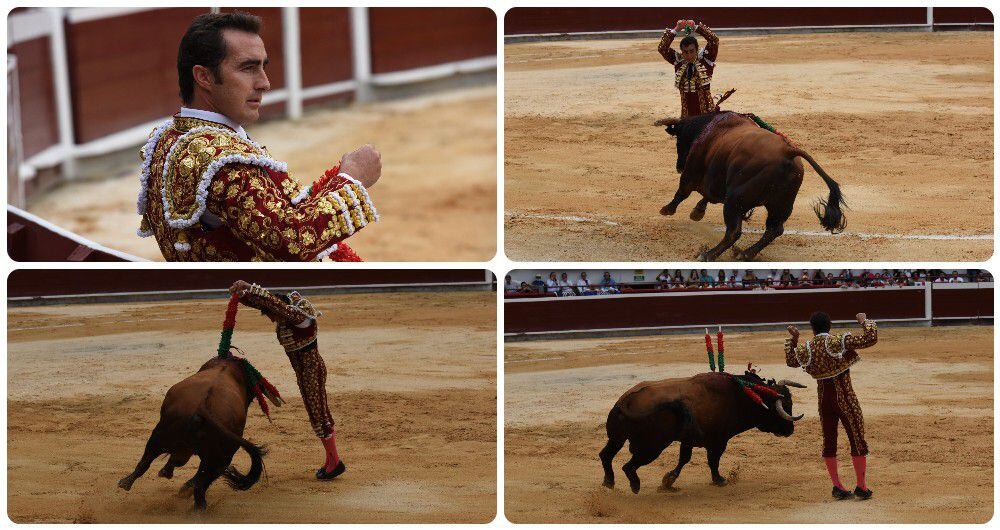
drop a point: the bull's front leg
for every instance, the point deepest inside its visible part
(672, 475)
(714, 456)
(683, 192)
(699, 210)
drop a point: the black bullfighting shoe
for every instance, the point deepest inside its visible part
(862, 494)
(840, 494)
(323, 474)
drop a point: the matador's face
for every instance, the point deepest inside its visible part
(689, 53)
(241, 83)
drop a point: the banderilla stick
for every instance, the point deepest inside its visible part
(708, 348)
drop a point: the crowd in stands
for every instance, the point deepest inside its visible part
(559, 284)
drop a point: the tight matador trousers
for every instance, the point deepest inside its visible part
(310, 374)
(838, 402)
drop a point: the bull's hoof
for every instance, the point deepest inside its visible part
(166, 473)
(610, 484)
(668, 210)
(668, 481)
(634, 486)
(697, 214)
(126, 483)
(719, 481)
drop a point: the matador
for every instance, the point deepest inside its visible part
(295, 324)
(693, 69)
(828, 358)
(208, 192)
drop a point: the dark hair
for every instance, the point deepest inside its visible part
(203, 44)
(820, 322)
(689, 41)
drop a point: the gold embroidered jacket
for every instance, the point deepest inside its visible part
(289, 319)
(827, 355)
(207, 194)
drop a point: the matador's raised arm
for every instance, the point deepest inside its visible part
(257, 297)
(664, 48)
(711, 42)
(868, 338)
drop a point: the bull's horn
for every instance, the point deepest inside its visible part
(666, 121)
(786, 382)
(780, 409)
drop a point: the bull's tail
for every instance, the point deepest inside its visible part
(235, 479)
(689, 430)
(830, 212)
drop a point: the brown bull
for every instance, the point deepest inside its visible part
(204, 415)
(705, 410)
(729, 159)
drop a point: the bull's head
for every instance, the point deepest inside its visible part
(779, 420)
(686, 130)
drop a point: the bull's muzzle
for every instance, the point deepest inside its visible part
(780, 409)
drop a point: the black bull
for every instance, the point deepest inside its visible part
(705, 410)
(729, 159)
(204, 415)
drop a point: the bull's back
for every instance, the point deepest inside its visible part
(707, 396)
(213, 390)
(746, 146)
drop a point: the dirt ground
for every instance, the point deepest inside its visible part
(412, 387)
(903, 121)
(436, 198)
(927, 395)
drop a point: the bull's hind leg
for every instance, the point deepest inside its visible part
(616, 439)
(152, 451)
(177, 459)
(733, 216)
(205, 477)
(640, 457)
(773, 228)
(672, 475)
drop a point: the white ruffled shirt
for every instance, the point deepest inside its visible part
(215, 117)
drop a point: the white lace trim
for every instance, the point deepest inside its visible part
(142, 233)
(182, 247)
(147, 161)
(364, 191)
(302, 195)
(322, 255)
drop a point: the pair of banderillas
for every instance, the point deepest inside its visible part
(711, 354)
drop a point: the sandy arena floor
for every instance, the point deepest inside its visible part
(436, 197)
(412, 386)
(927, 395)
(903, 121)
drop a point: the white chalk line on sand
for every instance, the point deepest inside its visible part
(861, 235)
(571, 218)
(810, 233)
(78, 324)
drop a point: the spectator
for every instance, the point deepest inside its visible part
(663, 275)
(955, 278)
(678, 279)
(722, 278)
(749, 280)
(786, 278)
(692, 280)
(818, 278)
(735, 282)
(609, 285)
(583, 284)
(526, 289)
(706, 279)
(553, 284)
(538, 284)
(508, 285)
(565, 287)
(663, 285)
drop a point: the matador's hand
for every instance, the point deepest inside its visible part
(861, 318)
(239, 287)
(364, 164)
(793, 331)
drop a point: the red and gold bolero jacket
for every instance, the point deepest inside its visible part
(295, 322)
(207, 194)
(827, 355)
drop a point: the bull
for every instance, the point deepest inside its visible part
(729, 159)
(706, 410)
(204, 415)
